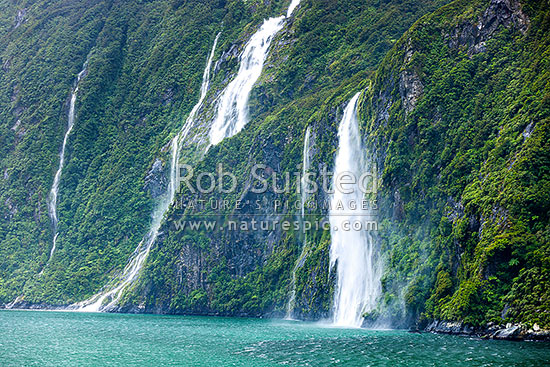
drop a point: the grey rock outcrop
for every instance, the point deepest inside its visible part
(156, 181)
(490, 331)
(473, 36)
(410, 89)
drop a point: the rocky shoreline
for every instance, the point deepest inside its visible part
(490, 331)
(20, 304)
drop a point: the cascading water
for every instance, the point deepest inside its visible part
(305, 168)
(233, 106)
(291, 7)
(304, 197)
(232, 117)
(352, 251)
(131, 271)
(52, 202)
(232, 114)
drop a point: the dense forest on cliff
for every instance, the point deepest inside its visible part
(454, 109)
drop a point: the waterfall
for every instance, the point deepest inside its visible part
(305, 168)
(232, 114)
(304, 197)
(352, 251)
(231, 118)
(233, 105)
(131, 271)
(291, 7)
(52, 200)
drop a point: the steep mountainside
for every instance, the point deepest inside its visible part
(145, 61)
(454, 110)
(457, 116)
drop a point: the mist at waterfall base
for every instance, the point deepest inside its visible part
(352, 253)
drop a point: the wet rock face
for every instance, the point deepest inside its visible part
(6, 64)
(410, 85)
(410, 89)
(511, 332)
(398, 206)
(20, 17)
(168, 96)
(230, 55)
(506, 13)
(384, 103)
(190, 268)
(156, 181)
(490, 331)
(503, 12)
(446, 327)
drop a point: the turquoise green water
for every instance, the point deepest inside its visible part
(30, 338)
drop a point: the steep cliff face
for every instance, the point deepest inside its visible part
(462, 146)
(474, 34)
(247, 272)
(36, 77)
(144, 71)
(455, 113)
(145, 61)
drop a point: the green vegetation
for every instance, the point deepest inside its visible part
(458, 122)
(469, 232)
(252, 270)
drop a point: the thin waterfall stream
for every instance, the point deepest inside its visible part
(54, 192)
(304, 195)
(232, 116)
(131, 271)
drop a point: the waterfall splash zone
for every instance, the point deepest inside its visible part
(352, 253)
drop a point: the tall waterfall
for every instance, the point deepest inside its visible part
(304, 193)
(131, 271)
(352, 251)
(52, 200)
(232, 114)
(232, 117)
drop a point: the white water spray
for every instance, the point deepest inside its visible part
(52, 202)
(352, 251)
(232, 114)
(304, 197)
(131, 271)
(304, 190)
(291, 7)
(233, 106)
